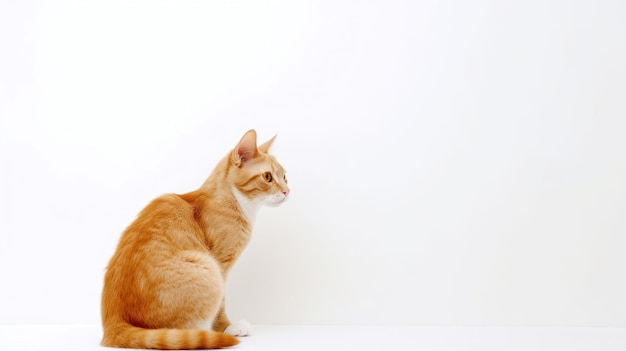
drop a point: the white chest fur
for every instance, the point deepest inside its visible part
(247, 206)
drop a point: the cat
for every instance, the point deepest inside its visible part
(164, 286)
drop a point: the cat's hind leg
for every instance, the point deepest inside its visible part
(189, 289)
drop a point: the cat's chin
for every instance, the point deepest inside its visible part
(274, 204)
(275, 201)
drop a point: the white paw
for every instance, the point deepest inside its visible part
(239, 328)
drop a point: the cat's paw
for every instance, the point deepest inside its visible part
(239, 328)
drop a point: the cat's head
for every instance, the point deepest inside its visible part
(255, 174)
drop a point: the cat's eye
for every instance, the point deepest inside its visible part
(268, 177)
(285, 179)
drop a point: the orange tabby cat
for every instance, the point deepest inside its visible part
(164, 286)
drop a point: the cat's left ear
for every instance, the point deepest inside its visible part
(245, 149)
(265, 147)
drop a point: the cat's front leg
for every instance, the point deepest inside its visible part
(239, 328)
(222, 324)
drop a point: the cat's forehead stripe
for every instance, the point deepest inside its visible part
(269, 165)
(277, 168)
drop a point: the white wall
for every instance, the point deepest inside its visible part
(451, 162)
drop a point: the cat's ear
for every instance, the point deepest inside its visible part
(246, 148)
(267, 145)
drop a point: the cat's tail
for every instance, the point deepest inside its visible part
(166, 339)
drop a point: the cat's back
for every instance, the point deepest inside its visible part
(166, 224)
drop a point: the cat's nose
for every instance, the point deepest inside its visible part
(286, 192)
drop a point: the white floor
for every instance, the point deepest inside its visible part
(301, 338)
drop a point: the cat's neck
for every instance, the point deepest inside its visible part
(248, 207)
(217, 184)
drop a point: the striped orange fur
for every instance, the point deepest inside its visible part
(164, 286)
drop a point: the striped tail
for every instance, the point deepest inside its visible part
(166, 339)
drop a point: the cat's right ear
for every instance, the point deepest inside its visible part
(245, 149)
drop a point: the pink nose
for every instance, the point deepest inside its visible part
(285, 192)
